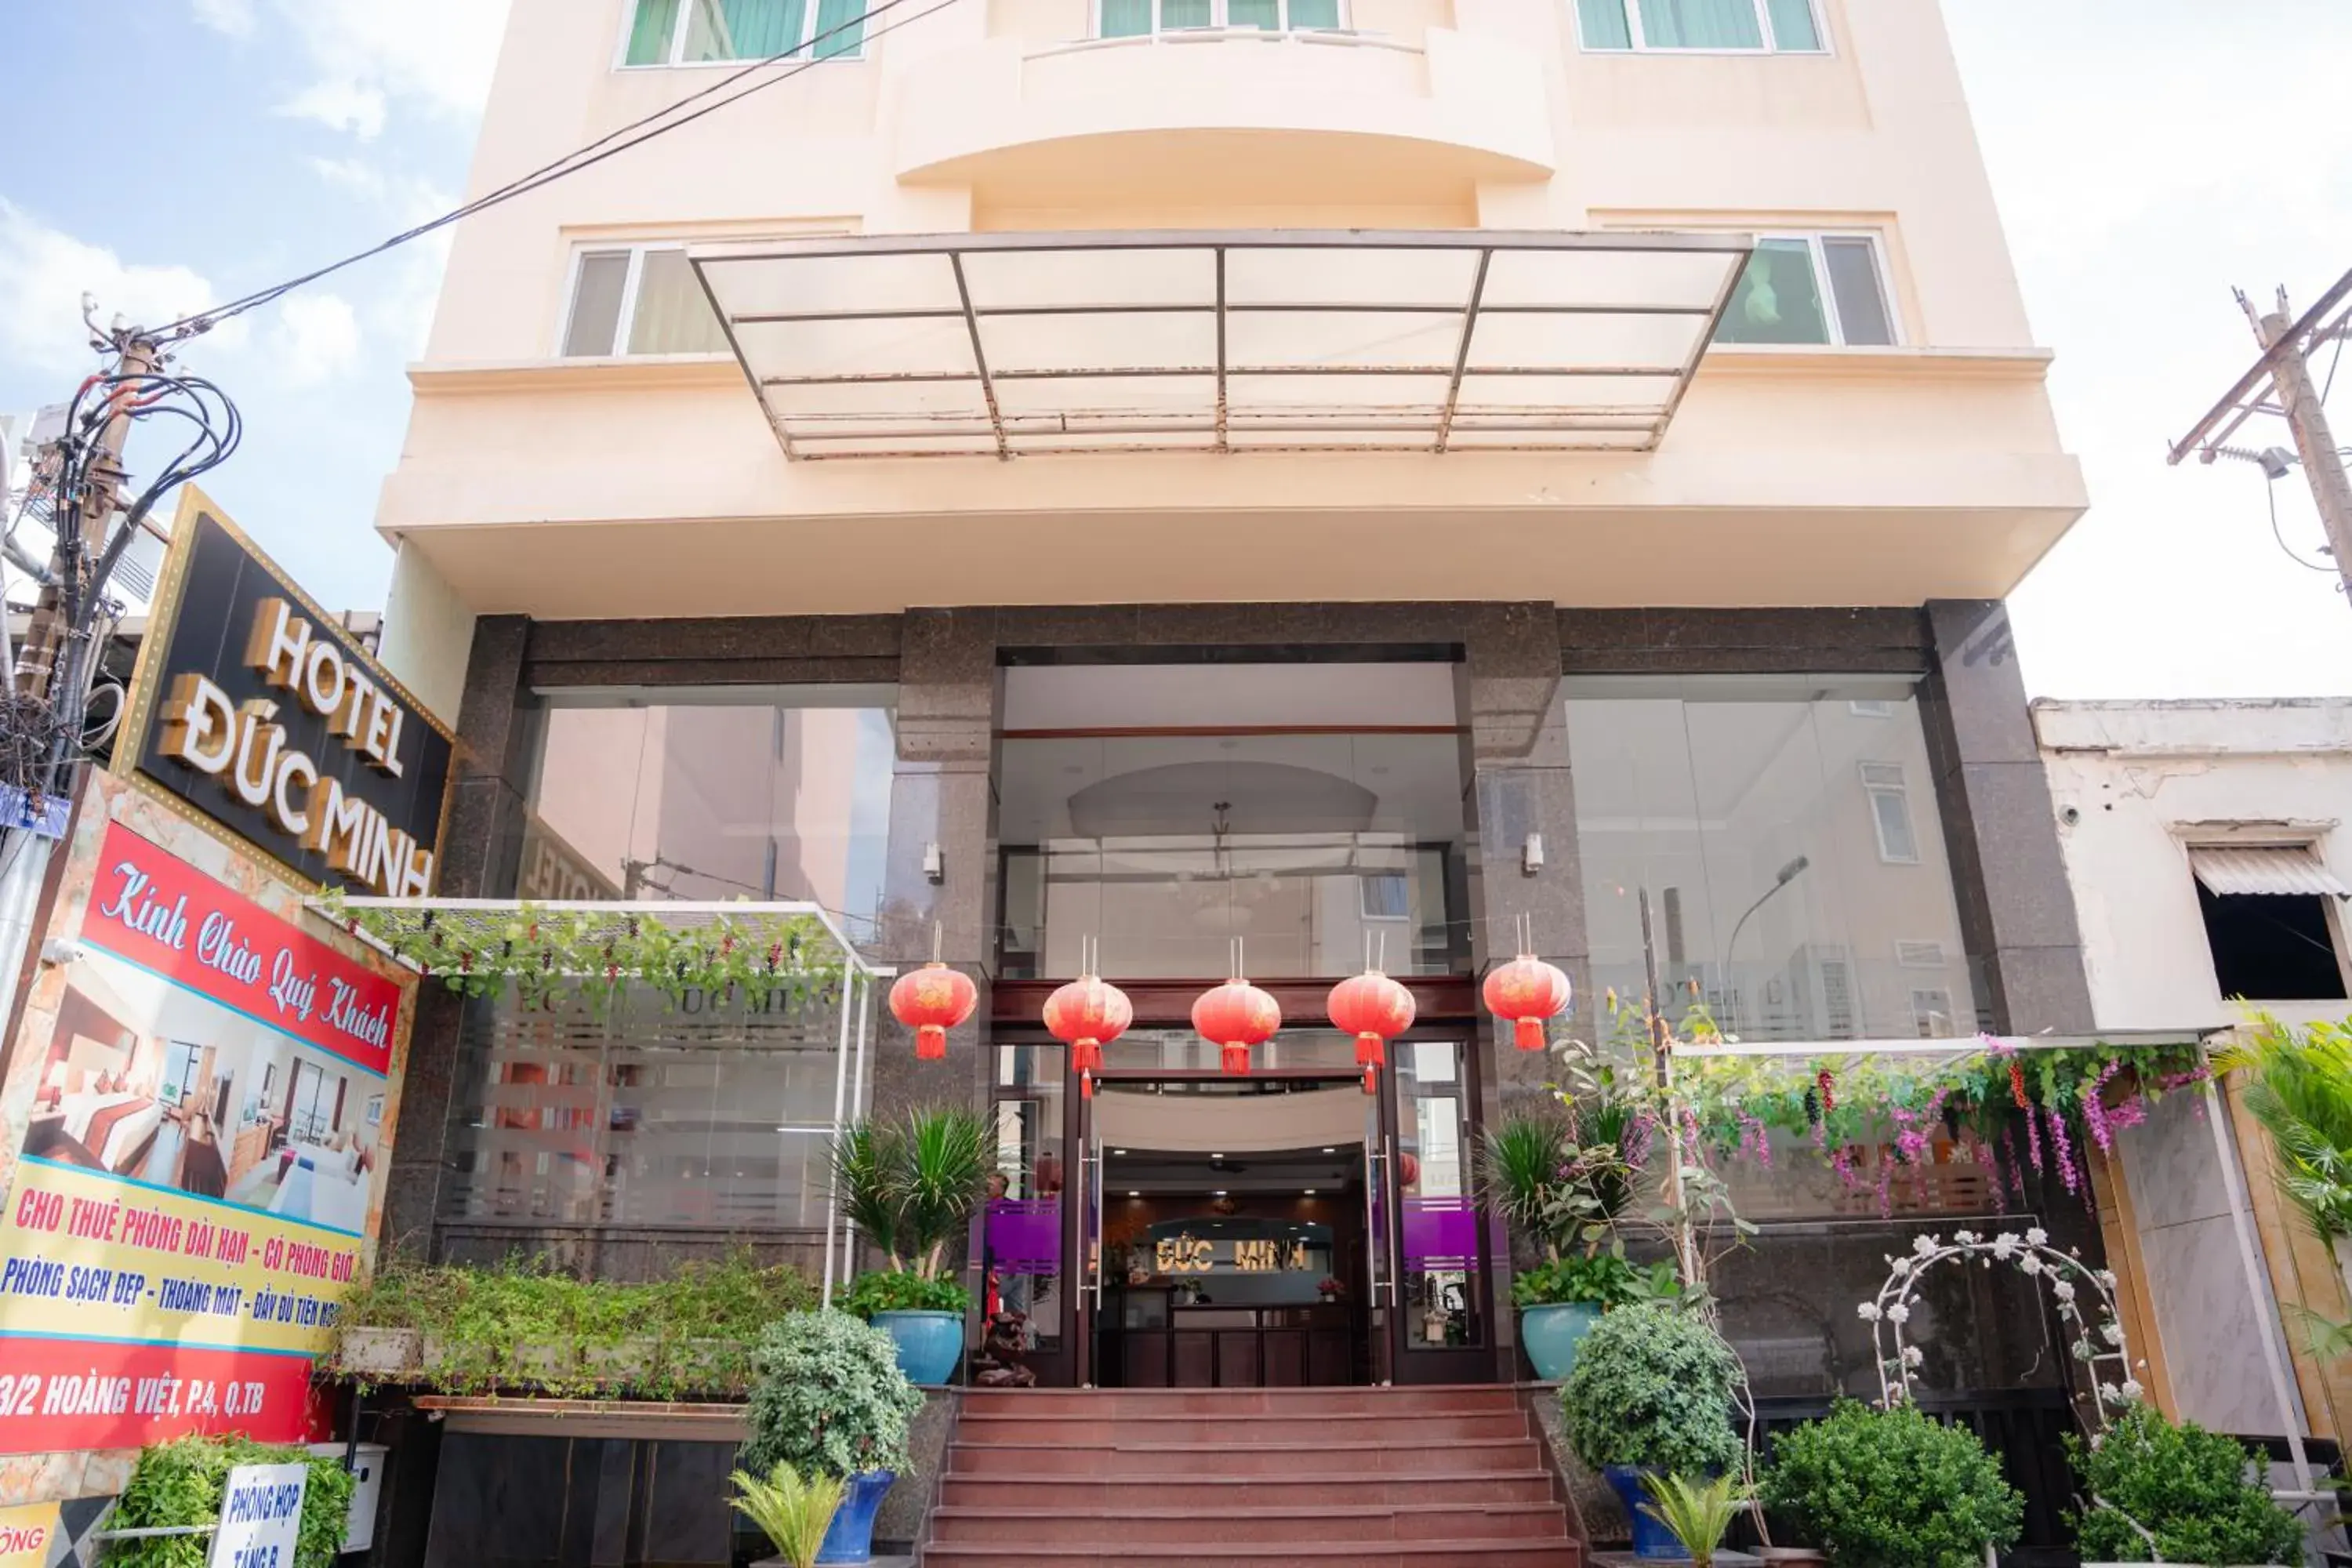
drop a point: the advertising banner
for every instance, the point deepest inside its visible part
(203, 1152)
(261, 1511)
(27, 1535)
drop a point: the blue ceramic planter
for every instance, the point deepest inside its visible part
(928, 1342)
(851, 1539)
(1551, 1334)
(1651, 1538)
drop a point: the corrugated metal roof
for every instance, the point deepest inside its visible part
(2264, 869)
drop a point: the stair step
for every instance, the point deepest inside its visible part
(1263, 1527)
(1204, 1428)
(1124, 1457)
(1471, 1552)
(1226, 1402)
(1276, 1488)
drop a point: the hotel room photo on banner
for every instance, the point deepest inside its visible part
(148, 1081)
(203, 1092)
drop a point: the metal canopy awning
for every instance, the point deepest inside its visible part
(2279, 869)
(1007, 345)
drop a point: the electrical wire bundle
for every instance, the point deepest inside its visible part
(44, 736)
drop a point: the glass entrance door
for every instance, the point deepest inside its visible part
(1380, 1244)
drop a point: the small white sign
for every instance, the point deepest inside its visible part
(261, 1509)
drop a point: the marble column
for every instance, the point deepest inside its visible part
(476, 852)
(2009, 873)
(1517, 777)
(941, 793)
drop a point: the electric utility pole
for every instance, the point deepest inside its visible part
(2279, 383)
(48, 635)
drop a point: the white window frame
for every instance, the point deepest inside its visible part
(670, 61)
(638, 250)
(1920, 1016)
(1217, 23)
(1900, 789)
(1819, 256)
(1868, 706)
(1642, 46)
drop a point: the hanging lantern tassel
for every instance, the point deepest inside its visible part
(931, 1000)
(1375, 1009)
(1371, 1078)
(1528, 992)
(1087, 1014)
(1236, 1016)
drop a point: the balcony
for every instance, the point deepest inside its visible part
(1185, 116)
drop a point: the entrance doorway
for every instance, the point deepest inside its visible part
(1168, 1147)
(1246, 1269)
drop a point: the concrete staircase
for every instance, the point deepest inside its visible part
(1328, 1478)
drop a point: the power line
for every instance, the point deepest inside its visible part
(583, 157)
(2269, 490)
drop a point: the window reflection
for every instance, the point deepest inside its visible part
(1783, 832)
(776, 794)
(1306, 847)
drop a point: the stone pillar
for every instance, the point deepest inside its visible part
(2017, 909)
(941, 794)
(1515, 767)
(477, 856)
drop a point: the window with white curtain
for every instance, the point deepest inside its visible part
(706, 32)
(1738, 26)
(1810, 289)
(1138, 19)
(638, 299)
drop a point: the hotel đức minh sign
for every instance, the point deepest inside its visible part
(260, 712)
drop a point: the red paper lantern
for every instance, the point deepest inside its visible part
(1087, 1014)
(1235, 1016)
(1373, 1008)
(931, 1000)
(1527, 991)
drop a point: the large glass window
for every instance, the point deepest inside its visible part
(711, 1112)
(703, 32)
(770, 793)
(1135, 18)
(1782, 834)
(1022, 1222)
(1810, 289)
(1440, 1218)
(638, 299)
(1314, 811)
(1712, 27)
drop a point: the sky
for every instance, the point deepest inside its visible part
(2147, 156)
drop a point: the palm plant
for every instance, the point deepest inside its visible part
(1698, 1513)
(793, 1513)
(1552, 1189)
(2298, 1085)
(911, 1184)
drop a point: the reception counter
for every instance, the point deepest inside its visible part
(1151, 1341)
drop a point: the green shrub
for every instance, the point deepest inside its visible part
(2183, 1485)
(523, 1326)
(1652, 1388)
(1891, 1489)
(180, 1482)
(889, 1292)
(829, 1398)
(1601, 1278)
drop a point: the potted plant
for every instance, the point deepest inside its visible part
(1892, 1489)
(180, 1483)
(2165, 1493)
(912, 1186)
(829, 1399)
(1652, 1393)
(795, 1515)
(1698, 1513)
(1563, 1197)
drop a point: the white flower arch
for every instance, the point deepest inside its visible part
(2096, 1345)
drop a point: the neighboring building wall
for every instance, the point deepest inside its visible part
(2136, 784)
(2148, 779)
